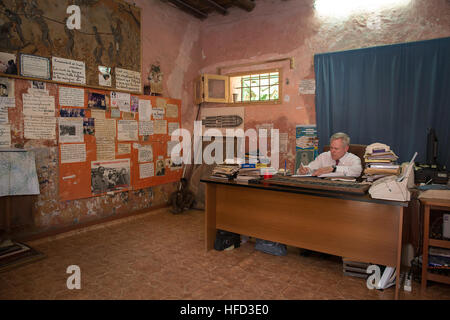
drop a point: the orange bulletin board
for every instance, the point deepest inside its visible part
(128, 162)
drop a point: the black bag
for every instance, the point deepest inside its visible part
(225, 239)
(270, 247)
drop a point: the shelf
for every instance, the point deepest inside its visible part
(438, 278)
(439, 243)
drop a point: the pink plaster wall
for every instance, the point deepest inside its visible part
(277, 29)
(185, 47)
(171, 37)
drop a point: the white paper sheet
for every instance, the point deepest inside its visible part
(73, 152)
(172, 111)
(145, 110)
(145, 153)
(5, 135)
(38, 105)
(66, 70)
(127, 130)
(36, 127)
(160, 126)
(121, 100)
(71, 97)
(128, 80)
(146, 170)
(145, 128)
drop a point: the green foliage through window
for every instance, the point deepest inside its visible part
(258, 87)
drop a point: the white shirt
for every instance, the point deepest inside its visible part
(349, 164)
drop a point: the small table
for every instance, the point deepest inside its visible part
(432, 204)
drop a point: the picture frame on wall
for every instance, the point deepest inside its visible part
(33, 66)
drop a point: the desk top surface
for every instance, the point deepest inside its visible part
(314, 192)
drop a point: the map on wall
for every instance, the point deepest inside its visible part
(109, 34)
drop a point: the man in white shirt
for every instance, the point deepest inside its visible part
(336, 160)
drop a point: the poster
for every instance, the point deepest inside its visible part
(111, 175)
(66, 70)
(306, 144)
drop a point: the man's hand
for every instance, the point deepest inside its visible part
(302, 170)
(323, 170)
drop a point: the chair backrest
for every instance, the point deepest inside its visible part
(356, 149)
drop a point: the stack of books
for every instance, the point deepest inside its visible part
(256, 158)
(380, 161)
(225, 171)
(248, 172)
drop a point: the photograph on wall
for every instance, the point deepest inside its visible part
(111, 175)
(39, 85)
(7, 98)
(71, 130)
(134, 104)
(8, 63)
(160, 167)
(71, 112)
(104, 76)
(96, 100)
(89, 126)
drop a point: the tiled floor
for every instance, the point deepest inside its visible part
(161, 256)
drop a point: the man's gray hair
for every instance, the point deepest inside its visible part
(340, 135)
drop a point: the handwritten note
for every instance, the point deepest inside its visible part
(66, 70)
(128, 80)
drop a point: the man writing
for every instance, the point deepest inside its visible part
(336, 160)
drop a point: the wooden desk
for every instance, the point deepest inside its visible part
(430, 204)
(347, 225)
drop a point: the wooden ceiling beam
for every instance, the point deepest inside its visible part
(247, 5)
(190, 9)
(218, 7)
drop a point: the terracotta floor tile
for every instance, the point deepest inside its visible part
(162, 256)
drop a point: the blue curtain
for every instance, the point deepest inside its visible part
(389, 94)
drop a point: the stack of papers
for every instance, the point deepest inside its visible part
(380, 161)
(225, 171)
